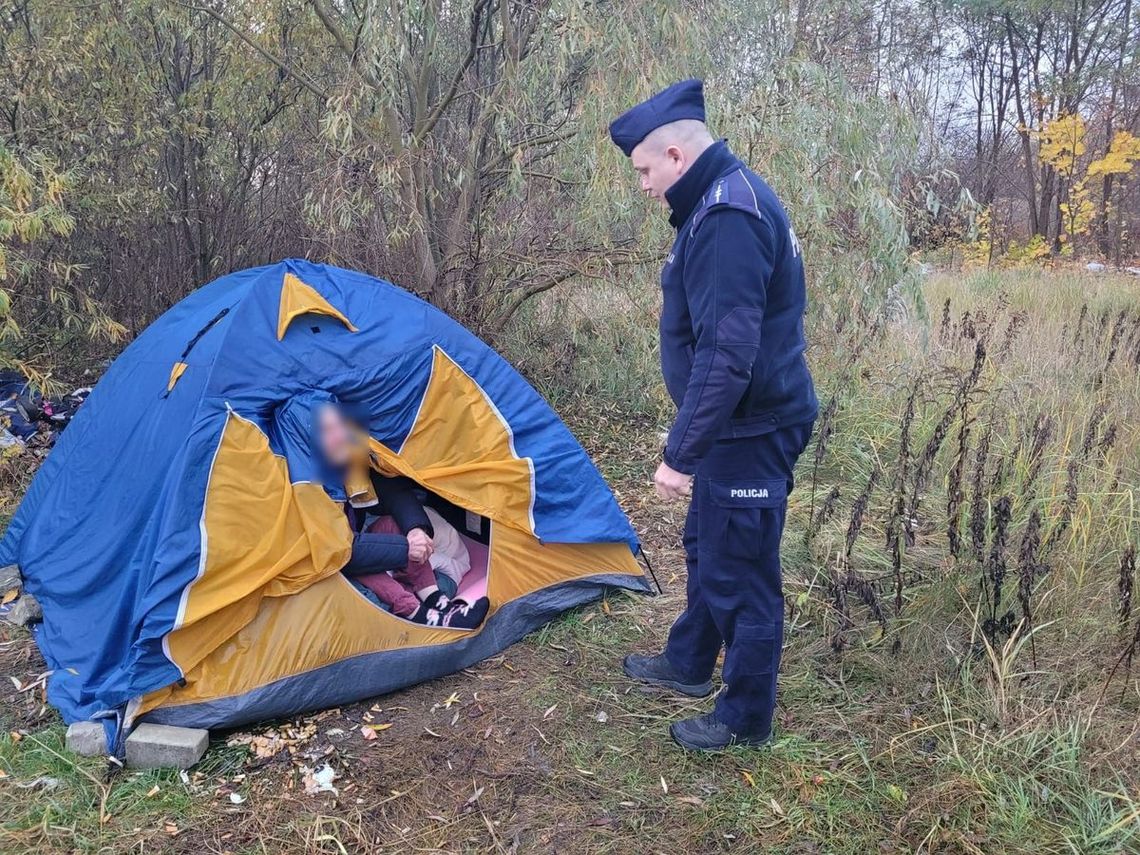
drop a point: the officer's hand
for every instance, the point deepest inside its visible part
(672, 484)
(420, 546)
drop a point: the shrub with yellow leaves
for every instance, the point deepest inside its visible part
(1062, 146)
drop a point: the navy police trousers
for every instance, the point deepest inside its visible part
(735, 591)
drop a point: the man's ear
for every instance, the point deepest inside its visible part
(675, 154)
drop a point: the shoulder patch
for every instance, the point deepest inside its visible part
(733, 190)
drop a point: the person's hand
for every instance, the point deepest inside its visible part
(672, 484)
(420, 546)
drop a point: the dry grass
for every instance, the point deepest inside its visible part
(924, 733)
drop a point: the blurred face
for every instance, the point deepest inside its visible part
(336, 436)
(658, 168)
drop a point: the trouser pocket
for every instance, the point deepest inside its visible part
(748, 515)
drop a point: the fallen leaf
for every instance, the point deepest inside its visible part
(779, 811)
(453, 698)
(9, 596)
(664, 786)
(748, 777)
(153, 791)
(697, 801)
(367, 732)
(549, 711)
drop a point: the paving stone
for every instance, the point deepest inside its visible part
(160, 746)
(87, 738)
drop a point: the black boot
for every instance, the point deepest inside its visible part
(706, 733)
(657, 671)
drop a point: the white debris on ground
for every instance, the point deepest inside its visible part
(319, 780)
(306, 748)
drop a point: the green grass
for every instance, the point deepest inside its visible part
(73, 803)
(921, 738)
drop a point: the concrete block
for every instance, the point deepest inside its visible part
(158, 746)
(87, 738)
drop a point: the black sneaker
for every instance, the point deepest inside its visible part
(705, 733)
(657, 671)
(461, 614)
(427, 616)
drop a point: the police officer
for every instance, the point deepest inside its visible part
(732, 354)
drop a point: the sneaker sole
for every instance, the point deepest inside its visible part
(692, 690)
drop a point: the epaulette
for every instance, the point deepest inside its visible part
(729, 191)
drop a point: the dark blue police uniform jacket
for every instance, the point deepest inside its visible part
(732, 352)
(732, 336)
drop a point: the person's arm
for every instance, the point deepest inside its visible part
(399, 499)
(732, 256)
(376, 553)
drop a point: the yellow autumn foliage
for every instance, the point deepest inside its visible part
(1061, 143)
(1123, 152)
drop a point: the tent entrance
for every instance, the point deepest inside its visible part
(474, 531)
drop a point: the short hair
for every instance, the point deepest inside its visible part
(684, 133)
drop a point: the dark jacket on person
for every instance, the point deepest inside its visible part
(732, 336)
(377, 552)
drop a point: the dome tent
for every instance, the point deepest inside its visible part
(187, 555)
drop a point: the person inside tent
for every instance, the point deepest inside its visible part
(396, 555)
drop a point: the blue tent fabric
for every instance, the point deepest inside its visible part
(107, 536)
